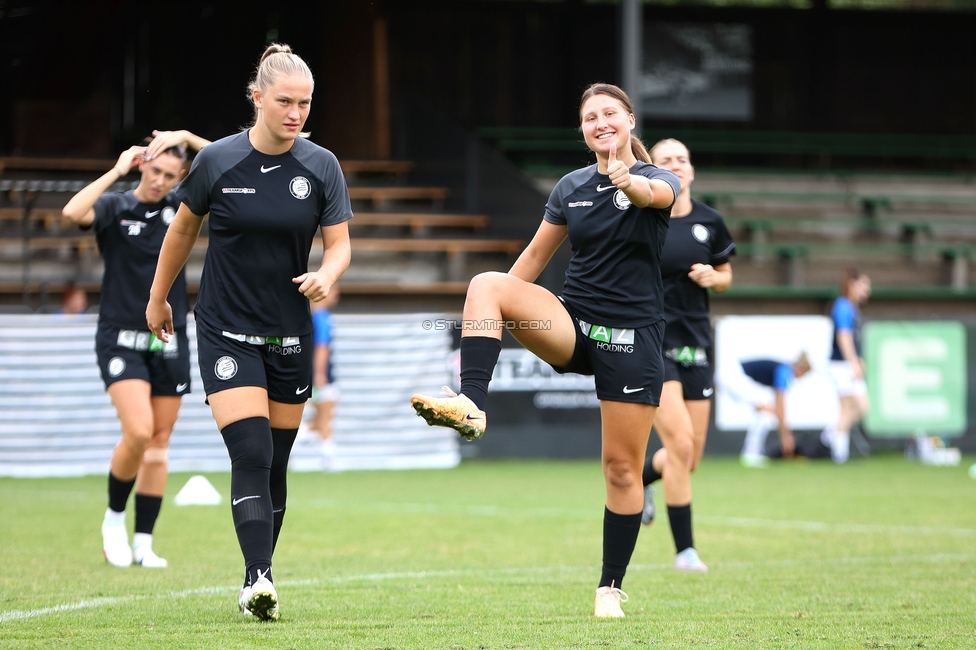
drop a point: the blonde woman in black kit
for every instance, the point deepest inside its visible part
(695, 260)
(268, 192)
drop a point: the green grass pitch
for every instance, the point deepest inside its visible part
(880, 553)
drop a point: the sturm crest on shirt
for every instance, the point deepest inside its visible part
(300, 187)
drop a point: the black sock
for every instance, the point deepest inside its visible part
(650, 474)
(479, 354)
(250, 448)
(147, 510)
(619, 539)
(282, 441)
(118, 492)
(680, 518)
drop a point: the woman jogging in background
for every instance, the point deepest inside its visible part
(145, 379)
(846, 364)
(695, 259)
(609, 321)
(268, 191)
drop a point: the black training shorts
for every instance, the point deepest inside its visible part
(280, 365)
(625, 362)
(134, 354)
(696, 377)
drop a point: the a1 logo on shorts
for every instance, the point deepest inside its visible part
(225, 368)
(116, 366)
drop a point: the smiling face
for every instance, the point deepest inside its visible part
(283, 107)
(159, 175)
(605, 121)
(674, 156)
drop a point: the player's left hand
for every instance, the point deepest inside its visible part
(314, 285)
(703, 275)
(163, 140)
(617, 170)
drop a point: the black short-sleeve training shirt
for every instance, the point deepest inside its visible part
(264, 213)
(614, 275)
(699, 237)
(130, 234)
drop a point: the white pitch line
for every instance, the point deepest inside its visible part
(822, 527)
(19, 615)
(567, 513)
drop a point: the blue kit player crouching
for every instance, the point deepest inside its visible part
(749, 382)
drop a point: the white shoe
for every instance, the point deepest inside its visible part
(688, 560)
(608, 601)
(259, 599)
(115, 544)
(647, 516)
(144, 556)
(753, 461)
(327, 454)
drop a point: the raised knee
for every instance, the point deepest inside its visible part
(486, 282)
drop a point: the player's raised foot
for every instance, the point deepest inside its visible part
(608, 601)
(259, 599)
(455, 411)
(144, 556)
(115, 543)
(647, 516)
(688, 560)
(753, 461)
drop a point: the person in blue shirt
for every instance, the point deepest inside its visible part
(749, 382)
(325, 390)
(846, 363)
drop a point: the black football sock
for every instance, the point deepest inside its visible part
(479, 354)
(282, 440)
(250, 448)
(680, 518)
(147, 511)
(650, 474)
(118, 492)
(619, 539)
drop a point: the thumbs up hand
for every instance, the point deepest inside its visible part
(617, 170)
